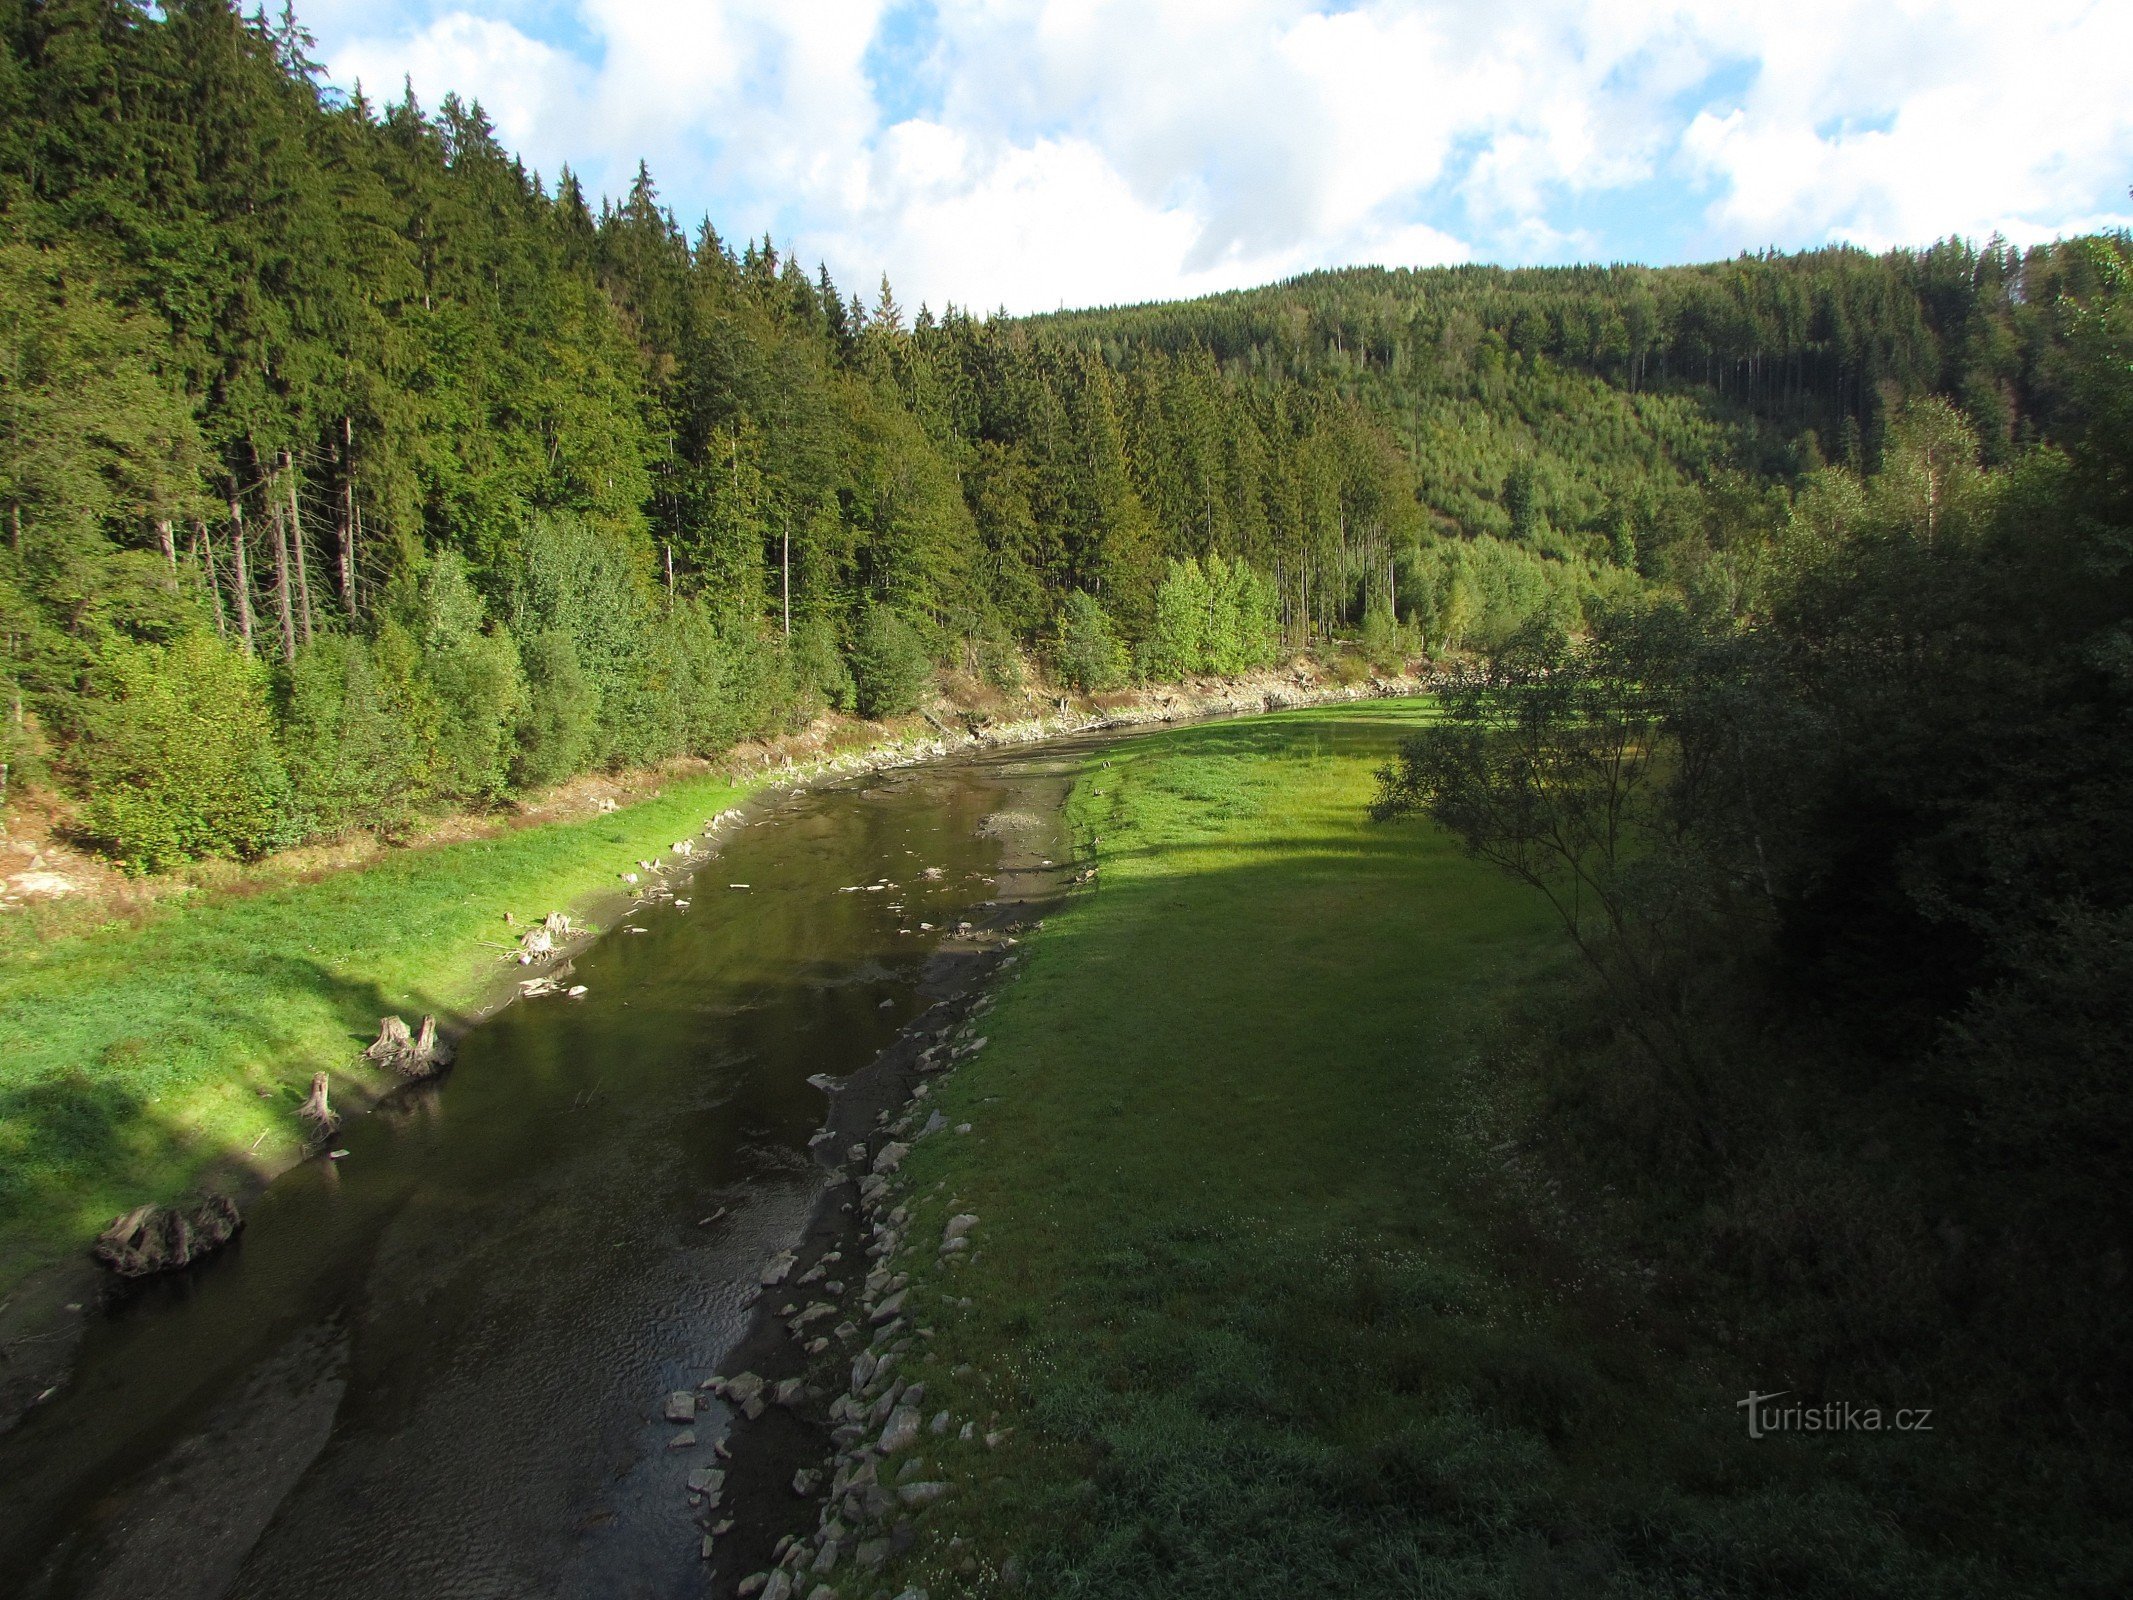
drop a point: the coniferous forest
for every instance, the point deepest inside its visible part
(354, 472)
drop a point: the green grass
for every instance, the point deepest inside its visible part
(1250, 1293)
(137, 1052)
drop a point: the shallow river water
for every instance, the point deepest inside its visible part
(434, 1368)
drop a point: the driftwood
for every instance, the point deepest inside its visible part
(418, 1056)
(323, 1119)
(151, 1239)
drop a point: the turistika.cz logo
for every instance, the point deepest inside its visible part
(1831, 1416)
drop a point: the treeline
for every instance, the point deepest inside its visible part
(349, 462)
(1852, 877)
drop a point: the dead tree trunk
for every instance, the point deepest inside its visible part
(204, 551)
(324, 1121)
(348, 518)
(240, 579)
(284, 610)
(296, 537)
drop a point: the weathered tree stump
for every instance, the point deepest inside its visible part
(412, 1056)
(152, 1239)
(315, 1111)
(393, 1042)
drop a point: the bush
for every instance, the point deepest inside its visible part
(1220, 619)
(179, 759)
(889, 665)
(818, 665)
(346, 737)
(557, 734)
(473, 671)
(1088, 655)
(1178, 642)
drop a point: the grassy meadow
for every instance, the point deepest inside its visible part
(142, 1054)
(1254, 1299)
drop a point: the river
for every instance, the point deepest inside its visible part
(435, 1367)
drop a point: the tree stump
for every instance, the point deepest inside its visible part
(418, 1055)
(151, 1239)
(393, 1042)
(321, 1116)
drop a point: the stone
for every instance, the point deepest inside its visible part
(681, 1406)
(826, 1558)
(684, 1440)
(941, 1423)
(744, 1388)
(934, 1124)
(788, 1391)
(863, 1365)
(805, 1480)
(779, 1587)
(890, 1307)
(958, 1226)
(969, 1431)
(922, 1493)
(900, 1432)
(707, 1481)
(872, 1553)
(753, 1585)
(776, 1268)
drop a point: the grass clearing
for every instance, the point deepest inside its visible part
(1248, 1297)
(143, 1054)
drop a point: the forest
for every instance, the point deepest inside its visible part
(355, 473)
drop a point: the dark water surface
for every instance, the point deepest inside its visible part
(434, 1368)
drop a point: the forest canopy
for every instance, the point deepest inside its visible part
(383, 475)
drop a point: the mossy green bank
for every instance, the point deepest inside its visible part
(144, 1054)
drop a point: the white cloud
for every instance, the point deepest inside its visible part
(1091, 150)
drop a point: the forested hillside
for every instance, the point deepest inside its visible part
(352, 471)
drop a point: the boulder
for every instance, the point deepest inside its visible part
(152, 1239)
(900, 1432)
(681, 1406)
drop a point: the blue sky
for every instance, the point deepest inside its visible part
(1027, 154)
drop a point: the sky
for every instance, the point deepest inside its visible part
(1031, 154)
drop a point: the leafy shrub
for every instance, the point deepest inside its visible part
(889, 665)
(1088, 655)
(557, 733)
(819, 668)
(179, 759)
(345, 736)
(1220, 619)
(1178, 643)
(473, 671)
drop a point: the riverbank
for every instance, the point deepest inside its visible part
(1234, 1289)
(166, 1048)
